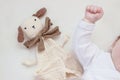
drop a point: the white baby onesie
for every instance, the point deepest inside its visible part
(96, 63)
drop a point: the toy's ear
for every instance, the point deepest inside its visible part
(20, 34)
(40, 13)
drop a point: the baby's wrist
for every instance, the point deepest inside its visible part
(88, 21)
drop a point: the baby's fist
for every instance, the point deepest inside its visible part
(93, 13)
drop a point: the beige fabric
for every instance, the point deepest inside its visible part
(55, 63)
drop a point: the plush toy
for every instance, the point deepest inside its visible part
(54, 63)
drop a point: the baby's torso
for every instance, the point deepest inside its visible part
(101, 68)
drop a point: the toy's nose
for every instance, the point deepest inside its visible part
(33, 27)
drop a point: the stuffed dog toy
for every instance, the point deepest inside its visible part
(54, 63)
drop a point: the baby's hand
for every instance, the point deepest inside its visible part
(93, 14)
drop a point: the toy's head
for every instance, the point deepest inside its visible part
(31, 26)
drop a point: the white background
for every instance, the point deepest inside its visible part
(65, 13)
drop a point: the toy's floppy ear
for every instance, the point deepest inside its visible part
(40, 13)
(20, 34)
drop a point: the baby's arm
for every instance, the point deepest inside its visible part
(82, 44)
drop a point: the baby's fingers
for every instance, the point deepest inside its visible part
(99, 10)
(91, 9)
(94, 9)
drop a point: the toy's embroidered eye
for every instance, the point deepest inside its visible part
(25, 28)
(34, 19)
(33, 26)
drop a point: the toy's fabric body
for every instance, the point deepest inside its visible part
(54, 63)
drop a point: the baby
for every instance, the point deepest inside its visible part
(97, 64)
